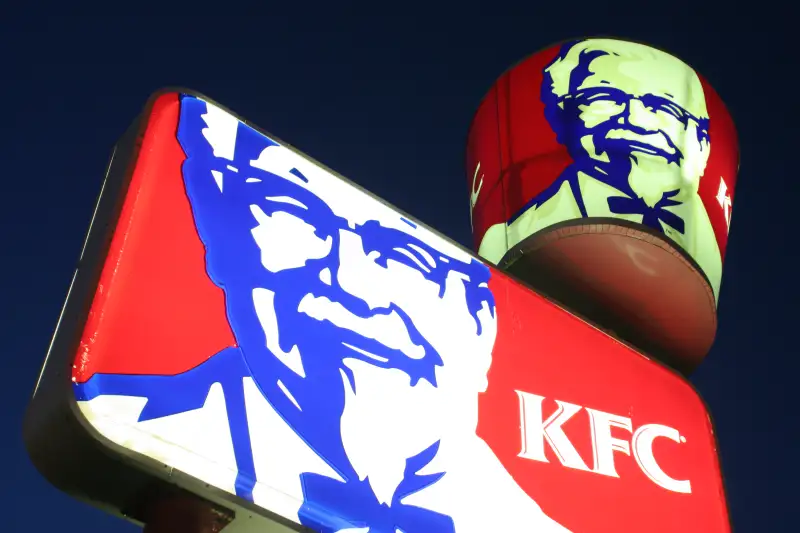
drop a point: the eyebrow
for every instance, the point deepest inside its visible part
(411, 256)
(424, 253)
(286, 200)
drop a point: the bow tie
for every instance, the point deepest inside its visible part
(651, 216)
(332, 505)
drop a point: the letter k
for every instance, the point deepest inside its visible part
(535, 431)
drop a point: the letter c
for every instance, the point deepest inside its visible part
(643, 452)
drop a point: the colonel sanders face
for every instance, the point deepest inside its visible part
(335, 299)
(620, 104)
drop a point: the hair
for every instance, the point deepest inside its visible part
(579, 54)
(564, 74)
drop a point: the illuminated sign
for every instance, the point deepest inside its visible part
(610, 163)
(253, 328)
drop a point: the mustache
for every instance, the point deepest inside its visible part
(385, 326)
(658, 141)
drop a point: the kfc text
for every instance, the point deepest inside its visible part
(536, 430)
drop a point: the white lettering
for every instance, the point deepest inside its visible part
(724, 200)
(643, 453)
(603, 444)
(535, 431)
(474, 193)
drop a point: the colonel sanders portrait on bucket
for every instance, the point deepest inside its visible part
(350, 402)
(634, 122)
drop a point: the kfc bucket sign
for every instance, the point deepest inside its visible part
(603, 171)
(253, 328)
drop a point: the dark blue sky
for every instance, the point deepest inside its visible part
(387, 101)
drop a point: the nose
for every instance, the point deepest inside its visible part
(639, 116)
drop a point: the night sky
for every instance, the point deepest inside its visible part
(386, 101)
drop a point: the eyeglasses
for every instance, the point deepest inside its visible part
(619, 97)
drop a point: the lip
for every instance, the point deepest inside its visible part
(382, 340)
(379, 330)
(653, 143)
(646, 148)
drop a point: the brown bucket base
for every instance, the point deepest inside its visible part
(626, 279)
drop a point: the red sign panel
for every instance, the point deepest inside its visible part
(294, 349)
(629, 446)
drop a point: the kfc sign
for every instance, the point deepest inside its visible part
(604, 128)
(603, 172)
(255, 329)
(536, 432)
